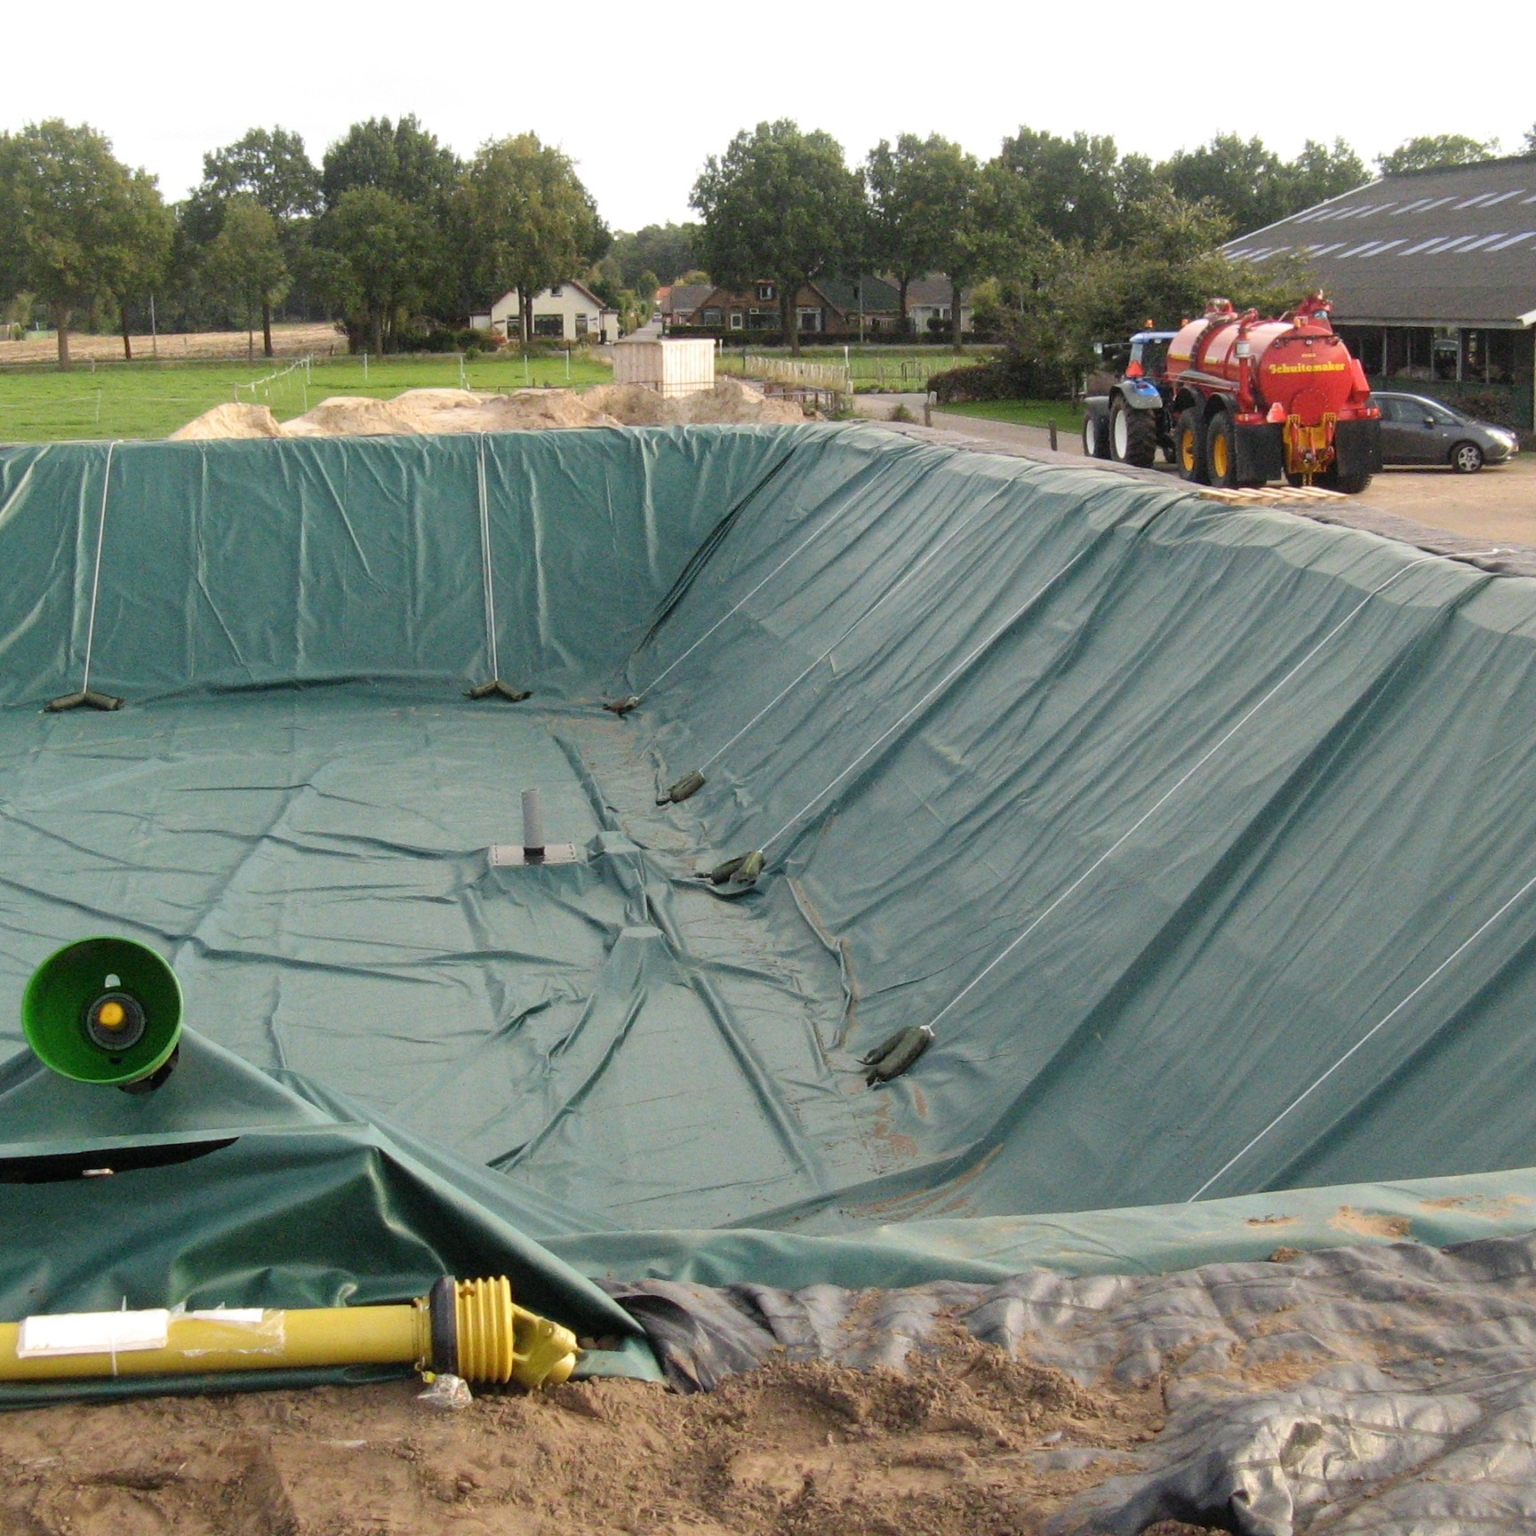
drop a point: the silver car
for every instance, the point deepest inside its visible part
(1415, 430)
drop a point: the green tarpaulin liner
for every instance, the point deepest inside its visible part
(1201, 839)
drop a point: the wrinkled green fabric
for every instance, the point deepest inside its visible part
(1199, 836)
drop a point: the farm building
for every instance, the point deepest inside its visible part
(1433, 278)
(567, 311)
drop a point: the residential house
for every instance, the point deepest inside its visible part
(930, 301)
(567, 311)
(828, 306)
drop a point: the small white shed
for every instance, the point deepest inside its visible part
(671, 367)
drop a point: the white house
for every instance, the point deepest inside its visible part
(932, 298)
(568, 311)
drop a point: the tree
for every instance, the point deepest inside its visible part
(913, 192)
(376, 257)
(245, 263)
(1242, 178)
(990, 230)
(529, 220)
(1070, 186)
(1320, 172)
(1529, 147)
(402, 159)
(1168, 269)
(665, 249)
(148, 228)
(75, 224)
(780, 205)
(1433, 152)
(271, 167)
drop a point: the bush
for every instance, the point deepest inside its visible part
(974, 381)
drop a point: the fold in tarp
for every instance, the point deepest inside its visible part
(1198, 837)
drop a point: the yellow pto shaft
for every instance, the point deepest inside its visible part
(471, 1328)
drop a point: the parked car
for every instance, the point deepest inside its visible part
(1415, 430)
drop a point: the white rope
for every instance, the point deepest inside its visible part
(1312, 1088)
(937, 688)
(487, 577)
(1173, 789)
(889, 593)
(101, 531)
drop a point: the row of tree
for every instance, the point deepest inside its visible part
(1066, 235)
(390, 230)
(398, 237)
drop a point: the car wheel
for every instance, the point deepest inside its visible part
(1466, 458)
(1189, 447)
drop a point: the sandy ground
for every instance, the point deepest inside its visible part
(287, 341)
(1495, 504)
(969, 1444)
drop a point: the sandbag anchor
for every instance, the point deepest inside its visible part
(86, 699)
(743, 870)
(498, 689)
(685, 788)
(897, 1054)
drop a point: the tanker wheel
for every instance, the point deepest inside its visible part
(1346, 485)
(1189, 447)
(1132, 436)
(1221, 451)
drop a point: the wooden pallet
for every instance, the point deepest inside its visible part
(1270, 495)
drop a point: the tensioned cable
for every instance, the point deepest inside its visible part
(805, 543)
(1173, 789)
(1311, 1088)
(889, 593)
(937, 688)
(487, 579)
(101, 531)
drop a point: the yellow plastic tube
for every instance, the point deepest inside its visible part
(471, 1328)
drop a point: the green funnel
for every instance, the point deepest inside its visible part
(103, 1011)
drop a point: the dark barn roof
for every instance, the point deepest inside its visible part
(1447, 247)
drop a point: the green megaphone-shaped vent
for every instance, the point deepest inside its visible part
(104, 1011)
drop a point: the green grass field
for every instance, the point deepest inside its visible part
(1067, 414)
(40, 404)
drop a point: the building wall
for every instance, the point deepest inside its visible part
(566, 313)
(1489, 371)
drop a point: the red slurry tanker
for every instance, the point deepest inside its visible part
(1235, 400)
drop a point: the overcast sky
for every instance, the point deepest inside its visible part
(639, 103)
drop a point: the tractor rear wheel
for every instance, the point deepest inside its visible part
(1132, 436)
(1189, 447)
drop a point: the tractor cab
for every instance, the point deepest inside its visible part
(1149, 354)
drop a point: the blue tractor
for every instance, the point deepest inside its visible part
(1135, 418)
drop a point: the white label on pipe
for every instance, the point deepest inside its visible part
(92, 1333)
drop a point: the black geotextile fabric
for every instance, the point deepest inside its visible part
(1385, 1390)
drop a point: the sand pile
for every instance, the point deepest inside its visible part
(969, 1444)
(523, 410)
(231, 421)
